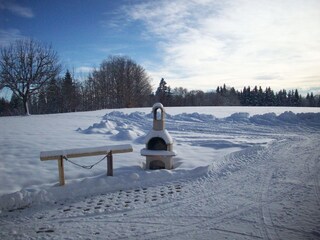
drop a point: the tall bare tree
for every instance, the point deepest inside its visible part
(119, 82)
(25, 66)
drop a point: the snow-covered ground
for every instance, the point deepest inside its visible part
(240, 173)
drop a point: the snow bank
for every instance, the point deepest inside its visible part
(191, 117)
(288, 117)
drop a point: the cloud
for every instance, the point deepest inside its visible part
(16, 9)
(207, 43)
(9, 36)
(84, 69)
(266, 77)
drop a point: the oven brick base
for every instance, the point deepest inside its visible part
(159, 162)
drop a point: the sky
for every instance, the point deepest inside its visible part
(194, 44)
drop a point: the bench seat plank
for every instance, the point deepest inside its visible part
(85, 152)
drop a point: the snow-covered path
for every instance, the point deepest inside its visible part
(266, 187)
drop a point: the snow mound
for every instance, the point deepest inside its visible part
(238, 117)
(104, 127)
(310, 118)
(288, 117)
(220, 144)
(126, 134)
(265, 119)
(24, 198)
(191, 117)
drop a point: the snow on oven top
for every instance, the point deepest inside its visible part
(160, 134)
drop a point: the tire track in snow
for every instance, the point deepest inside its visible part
(315, 174)
(269, 230)
(312, 166)
(266, 223)
(290, 147)
(316, 178)
(266, 156)
(225, 215)
(263, 214)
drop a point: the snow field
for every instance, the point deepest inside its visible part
(237, 176)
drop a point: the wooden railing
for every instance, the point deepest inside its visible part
(61, 155)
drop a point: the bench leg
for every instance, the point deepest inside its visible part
(61, 170)
(110, 164)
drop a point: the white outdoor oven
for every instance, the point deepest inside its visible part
(159, 144)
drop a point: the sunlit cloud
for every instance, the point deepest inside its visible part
(207, 43)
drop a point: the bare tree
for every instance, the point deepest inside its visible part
(119, 82)
(25, 66)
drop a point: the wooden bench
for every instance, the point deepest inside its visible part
(60, 155)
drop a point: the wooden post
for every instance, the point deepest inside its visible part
(61, 170)
(109, 164)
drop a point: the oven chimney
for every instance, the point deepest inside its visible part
(158, 117)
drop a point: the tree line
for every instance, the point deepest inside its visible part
(229, 96)
(32, 70)
(118, 83)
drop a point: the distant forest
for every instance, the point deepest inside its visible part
(228, 96)
(32, 71)
(69, 95)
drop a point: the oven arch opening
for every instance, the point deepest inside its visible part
(156, 143)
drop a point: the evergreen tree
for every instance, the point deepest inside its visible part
(68, 93)
(254, 96)
(16, 105)
(163, 93)
(246, 97)
(242, 96)
(218, 90)
(224, 89)
(311, 100)
(296, 99)
(269, 97)
(54, 97)
(4, 107)
(42, 102)
(260, 96)
(281, 98)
